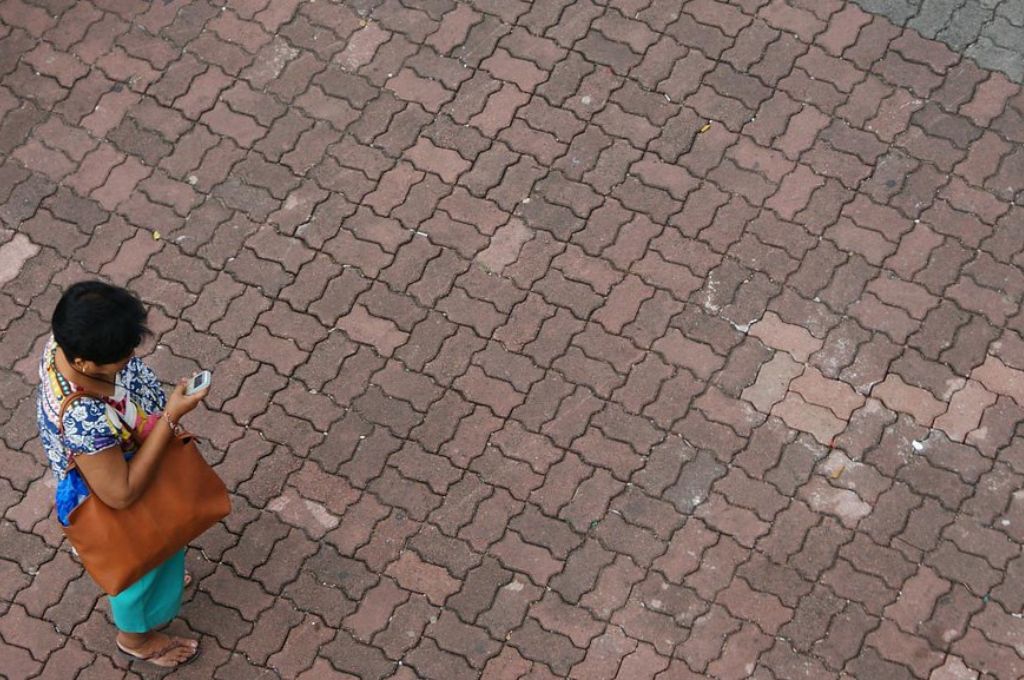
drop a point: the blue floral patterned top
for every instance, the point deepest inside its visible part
(91, 425)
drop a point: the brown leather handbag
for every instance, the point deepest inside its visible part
(184, 499)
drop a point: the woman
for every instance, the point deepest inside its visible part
(96, 330)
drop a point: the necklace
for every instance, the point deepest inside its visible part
(82, 373)
(93, 377)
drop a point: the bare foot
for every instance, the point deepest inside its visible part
(161, 649)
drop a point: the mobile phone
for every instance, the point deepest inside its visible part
(199, 382)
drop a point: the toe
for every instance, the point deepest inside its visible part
(184, 653)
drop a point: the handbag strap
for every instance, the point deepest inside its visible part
(67, 401)
(69, 458)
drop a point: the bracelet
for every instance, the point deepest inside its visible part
(176, 428)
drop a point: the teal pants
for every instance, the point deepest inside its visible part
(153, 600)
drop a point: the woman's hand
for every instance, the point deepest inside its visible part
(179, 403)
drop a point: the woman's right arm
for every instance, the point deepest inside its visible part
(119, 483)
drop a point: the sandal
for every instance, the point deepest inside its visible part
(157, 657)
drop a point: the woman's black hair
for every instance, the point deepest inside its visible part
(98, 322)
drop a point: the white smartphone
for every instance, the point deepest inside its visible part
(199, 382)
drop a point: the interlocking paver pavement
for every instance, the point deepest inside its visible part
(641, 339)
(989, 31)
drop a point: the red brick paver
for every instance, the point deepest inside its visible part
(641, 339)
